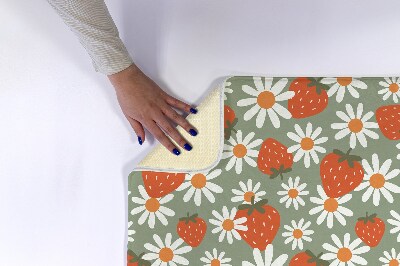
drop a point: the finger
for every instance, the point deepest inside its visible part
(180, 105)
(161, 137)
(138, 128)
(179, 120)
(168, 128)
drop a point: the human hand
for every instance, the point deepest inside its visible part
(146, 105)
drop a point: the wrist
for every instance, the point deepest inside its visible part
(123, 76)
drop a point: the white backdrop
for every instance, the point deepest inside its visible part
(65, 148)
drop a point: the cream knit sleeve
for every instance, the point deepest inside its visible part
(92, 23)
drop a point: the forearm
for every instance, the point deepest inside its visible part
(92, 23)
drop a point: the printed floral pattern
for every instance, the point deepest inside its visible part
(356, 125)
(376, 180)
(226, 225)
(391, 89)
(345, 253)
(239, 150)
(265, 100)
(293, 193)
(343, 85)
(308, 144)
(309, 175)
(199, 184)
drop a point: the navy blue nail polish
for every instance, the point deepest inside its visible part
(193, 132)
(187, 147)
(140, 140)
(176, 152)
(193, 110)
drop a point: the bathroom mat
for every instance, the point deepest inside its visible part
(284, 171)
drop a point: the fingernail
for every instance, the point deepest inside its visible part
(193, 110)
(140, 140)
(193, 132)
(176, 152)
(187, 147)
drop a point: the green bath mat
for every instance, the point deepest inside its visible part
(309, 174)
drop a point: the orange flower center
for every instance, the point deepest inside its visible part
(344, 81)
(344, 254)
(199, 181)
(166, 254)
(377, 180)
(331, 205)
(266, 99)
(307, 144)
(240, 150)
(355, 125)
(394, 87)
(394, 262)
(248, 195)
(215, 262)
(293, 193)
(297, 233)
(152, 205)
(228, 225)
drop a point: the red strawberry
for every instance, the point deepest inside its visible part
(340, 173)
(263, 222)
(230, 121)
(134, 260)
(192, 229)
(310, 97)
(388, 118)
(159, 184)
(273, 158)
(307, 258)
(370, 229)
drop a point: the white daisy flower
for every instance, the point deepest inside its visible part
(346, 252)
(227, 224)
(215, 260)
(265, 100)
(390, 259)
(166, 253)
(226, 85)
(198, 184)
(308, 144)
(376, 180)
(152, 208)
(398, 147)
(330, 208)
(391, 88)
(341, 85)
(247, 192)
(357, 125)
(131, 232)
(292, 193)
(267, 260)
(297, 233)
(239, 150)
(396, 223)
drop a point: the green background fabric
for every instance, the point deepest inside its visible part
(239, 250)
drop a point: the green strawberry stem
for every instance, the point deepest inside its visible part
(189, 218)
(318, 85)
(316, 259)
(254, 206)
(279, 172)
(347, 157)
(230, 128)
(368, 218)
